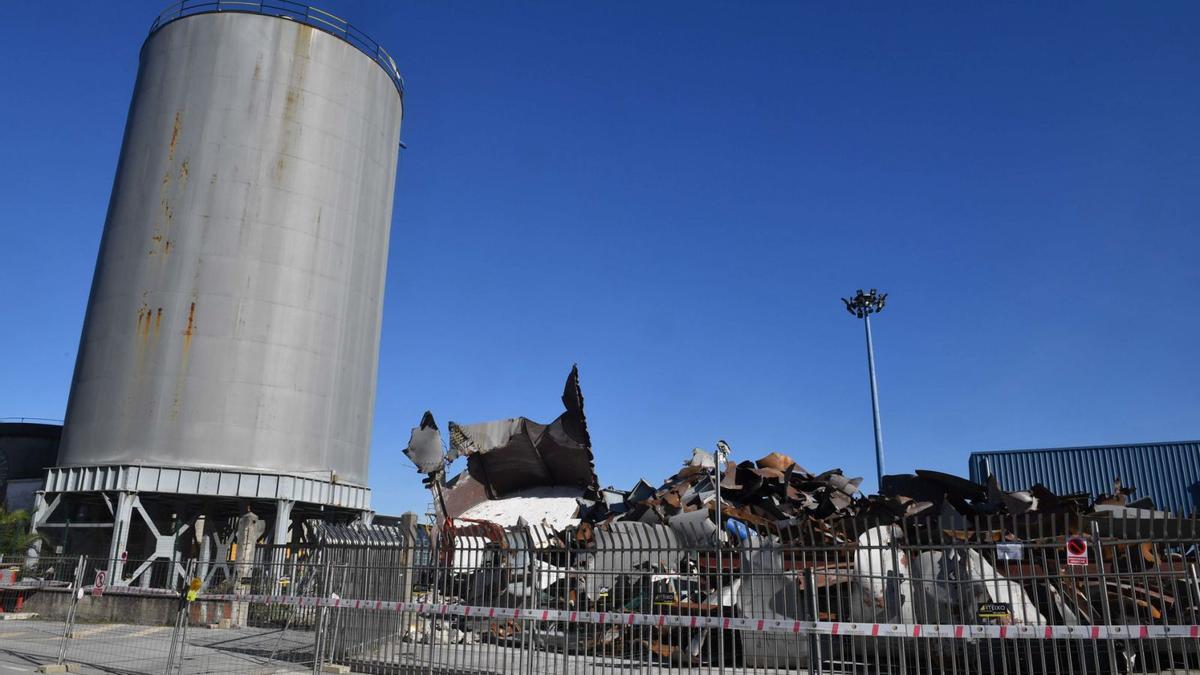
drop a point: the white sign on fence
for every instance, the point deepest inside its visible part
(1077, 552)
(1010, 550)
(98, 586)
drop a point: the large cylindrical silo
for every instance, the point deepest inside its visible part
(235, 312)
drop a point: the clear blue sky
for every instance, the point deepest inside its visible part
(675, 195)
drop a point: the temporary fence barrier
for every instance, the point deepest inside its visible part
(1045, 594)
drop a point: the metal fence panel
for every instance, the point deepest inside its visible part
(992, 595)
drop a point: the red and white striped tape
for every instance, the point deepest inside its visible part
(944, 631)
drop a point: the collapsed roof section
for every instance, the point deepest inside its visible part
(513, 455)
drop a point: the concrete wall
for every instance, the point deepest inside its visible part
(122, 608)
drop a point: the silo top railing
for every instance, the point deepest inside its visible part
(295, 11)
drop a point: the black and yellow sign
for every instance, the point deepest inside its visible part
(193, 589)
(995, 610)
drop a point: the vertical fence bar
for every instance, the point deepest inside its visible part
(1192, 583)
(176, 634)
(814, 646)
(69, 627)
(1105, 606)
(184, 613)
(322, 613)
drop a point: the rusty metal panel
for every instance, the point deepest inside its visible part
(235, 311)
(1167, 473)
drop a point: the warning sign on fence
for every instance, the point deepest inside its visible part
(995, 610)
(193, 589)
(1077, 551)
(98, 586)
(1010, 550)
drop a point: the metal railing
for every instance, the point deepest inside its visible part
(295, 11)
(978, 595)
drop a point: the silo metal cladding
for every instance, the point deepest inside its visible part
(234, 316)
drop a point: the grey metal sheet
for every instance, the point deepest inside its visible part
(205, 482)
(1168, 473)
(510, 455)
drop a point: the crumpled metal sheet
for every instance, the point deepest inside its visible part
(702, 458)
(425, 446)
(506, 456)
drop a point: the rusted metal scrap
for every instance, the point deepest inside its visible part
(764, 493)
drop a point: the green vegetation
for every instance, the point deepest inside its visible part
(14, 532)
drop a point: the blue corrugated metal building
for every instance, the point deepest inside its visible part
(1168, 473)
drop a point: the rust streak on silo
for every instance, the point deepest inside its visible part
(175, 134)
(190, 330)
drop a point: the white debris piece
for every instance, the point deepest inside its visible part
(554, 507)
(951, 585)
(1000, 589)
(881, 571)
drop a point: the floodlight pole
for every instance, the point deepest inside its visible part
(874, 406)
(863, 305)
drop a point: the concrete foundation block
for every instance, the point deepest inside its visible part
(58, 668)
(334, 668)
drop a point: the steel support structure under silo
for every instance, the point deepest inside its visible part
(228, 360)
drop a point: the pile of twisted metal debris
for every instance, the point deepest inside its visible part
(775, 493)
(526, 525)
(519, 469)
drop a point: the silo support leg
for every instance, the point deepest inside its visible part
(122, 518)
(283, 522)
(281, 537)
(205, 548)
(41, 513)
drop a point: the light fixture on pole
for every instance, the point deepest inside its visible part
(862, 306)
